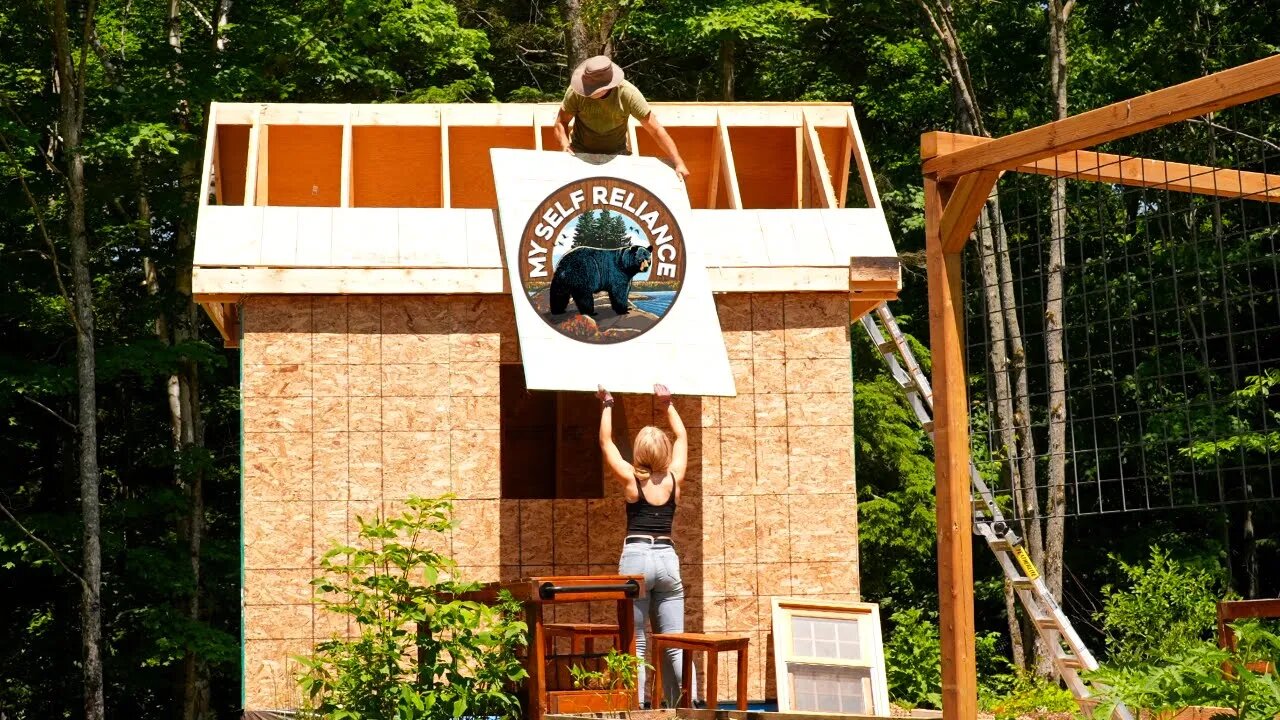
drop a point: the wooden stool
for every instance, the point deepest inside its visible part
(580, 634)
(712, 645)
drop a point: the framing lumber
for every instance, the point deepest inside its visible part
(210, 152)
(1128, 117)
(728, 169)
(713, 182)
(818, 166)
(1128, 170)
(537, 134)
(445, 195)
(863, 164)
(344, 183)
(843, 165)
(962, 208)
(632, 140)
(951, 443)
(262, 186)
(251, 164)
(799, 189)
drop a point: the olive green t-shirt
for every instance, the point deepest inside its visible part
(600, 126)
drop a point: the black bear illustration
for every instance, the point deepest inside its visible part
(585, 271)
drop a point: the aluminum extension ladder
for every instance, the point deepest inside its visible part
(1070, 656)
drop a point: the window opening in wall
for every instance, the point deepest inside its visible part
(549, 441)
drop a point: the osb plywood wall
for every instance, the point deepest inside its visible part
(352, 404)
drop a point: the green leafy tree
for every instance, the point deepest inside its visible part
(1166, 607)
(420, 652)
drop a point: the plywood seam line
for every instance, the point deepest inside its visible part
(210, 152)
(251, 161)
(865, 174)
(1211, 93)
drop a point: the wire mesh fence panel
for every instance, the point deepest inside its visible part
(1125, 354)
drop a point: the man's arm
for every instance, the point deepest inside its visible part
(562, 129)
(659, 134)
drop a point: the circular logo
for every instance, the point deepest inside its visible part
(602, 260)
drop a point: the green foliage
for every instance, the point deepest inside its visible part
(620, 672)
(1019, 695)
(1166, 607)
(913, 654)
(1202, 674)
(1242, 437)
(601, 229)
(421, 652)
(770, 19)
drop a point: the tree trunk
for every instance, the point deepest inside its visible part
(577, 37)
(726, 67)
(71, 98)
(1055, 350)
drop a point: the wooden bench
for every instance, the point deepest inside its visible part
(581, 635)
(712, 645)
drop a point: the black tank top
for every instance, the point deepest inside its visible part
(645, 518)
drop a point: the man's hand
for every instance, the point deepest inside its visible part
(681, 170)
(663, 395)
(603, 395)
(569, 149)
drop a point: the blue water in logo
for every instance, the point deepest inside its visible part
(656, 302)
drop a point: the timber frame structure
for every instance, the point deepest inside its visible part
(960, 172)
(413, 200)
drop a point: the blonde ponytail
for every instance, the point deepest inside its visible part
(651, 453)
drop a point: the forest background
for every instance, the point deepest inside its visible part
(119, 510)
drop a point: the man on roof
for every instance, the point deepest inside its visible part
(599, 102)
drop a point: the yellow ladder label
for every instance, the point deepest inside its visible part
(1020, 554)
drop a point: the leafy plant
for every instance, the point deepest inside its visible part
(621, 672)
(420, 651)
(1202, 674)
(1167, 607)
(1021, 694)
(912, 653)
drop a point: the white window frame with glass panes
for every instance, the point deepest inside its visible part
(829, 657)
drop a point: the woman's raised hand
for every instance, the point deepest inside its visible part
(603, 395)
(663, 394)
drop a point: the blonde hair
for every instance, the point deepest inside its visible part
(651, 452)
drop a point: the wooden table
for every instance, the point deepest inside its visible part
(536, 592)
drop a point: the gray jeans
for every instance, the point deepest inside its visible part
(664, 596)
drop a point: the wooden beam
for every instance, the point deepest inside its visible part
(843, 165)
(210, 153)
(728, 169)
(863, 164)
(713, 185)
(344, 183)
(633, 142)
(859, 307)
(445, 199)
(799, 189)
(537, 133)
(818, 166)
(962, 209)
(251, 162)
(1129, 170)
(1144, 172)
(1197, 97)
(231, 338)
(951, 449)
(262, 184)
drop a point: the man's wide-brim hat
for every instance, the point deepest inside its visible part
(595, 74)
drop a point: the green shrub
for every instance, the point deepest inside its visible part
(420, 653)
(621, 672)
(1168, 607)
(1021, 694)
(912, 654)
(1201, 674)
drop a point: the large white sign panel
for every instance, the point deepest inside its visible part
(608, 288)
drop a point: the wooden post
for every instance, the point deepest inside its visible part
(951, 447)
(210, 155)
(537, 658)
(344, 172)
(445, 199)
(251, 162)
